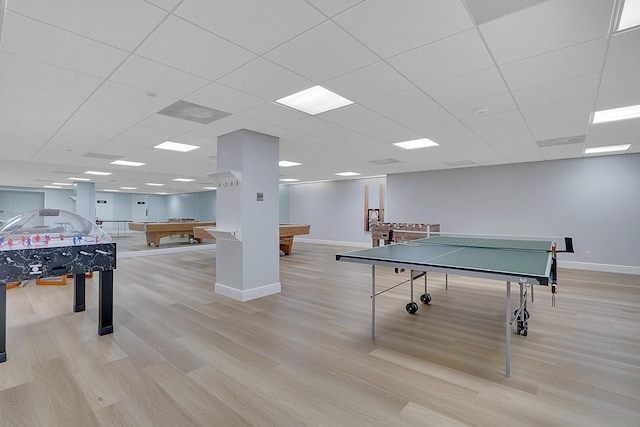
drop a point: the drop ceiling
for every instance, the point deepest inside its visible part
(83, 83)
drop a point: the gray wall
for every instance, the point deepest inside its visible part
(595, 200)
(335, 210)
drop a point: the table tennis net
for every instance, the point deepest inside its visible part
(489, 241)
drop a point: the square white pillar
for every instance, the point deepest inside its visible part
(247, 215)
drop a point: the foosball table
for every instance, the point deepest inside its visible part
(400, 231)
(47, 243)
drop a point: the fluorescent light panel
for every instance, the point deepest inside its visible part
(110, 190)
(315, 100)
(98, 173)
(630, 16)
(128, 188)
(51, 186)
(127, 163)
(183, 179)
(607, 149)
(616, 114)
(176, 146)
(210, 188)
(347, 173)
(79, 179)
(287, 164)
(289, 179)
(416, 143)
(153, 184)
(62, 183)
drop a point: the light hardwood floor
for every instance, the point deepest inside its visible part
(184, 356)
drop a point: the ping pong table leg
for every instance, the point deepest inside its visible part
(508, 327)
(373, 302)
(3, 321)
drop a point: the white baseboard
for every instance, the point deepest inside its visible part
(249, 294)
(164, 251)
(606, 268)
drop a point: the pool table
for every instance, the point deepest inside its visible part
(287, 231)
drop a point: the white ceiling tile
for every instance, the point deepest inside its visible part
(616, 133)
(224, 98)
(158, 78)
(387, 130)
(459, 54)
(373, 81)
(274, 114)
(254, 24)
(165, 4)
(24, 142)
(333, 7)
(24, 116)
(322, 53)
(548, 26)
(33, 73)
(313, 126)
(567, 151)
(30, 95)
(508, 134)
(426, 121)
(401, 103)
(189, 48)
(412, 23)
(493, 104)
(32, 39)
(470, 86)
(544, 124)
(350, 115)
(619, 87)
(159, 123)
(130, 97)
(559, 91)
(265, 79)
(623, 49)
(561, 64)
(120, 23)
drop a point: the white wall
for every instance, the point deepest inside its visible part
(335, 210)
(594, 200)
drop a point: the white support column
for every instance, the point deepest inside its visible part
(85, 199)
(247, 210)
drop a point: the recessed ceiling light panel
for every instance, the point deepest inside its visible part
(153, 184)
(315, 100)
(183, 179)
(289, 179)
(127, 163)
(630, 16)
(607, 149)
(98, 173)
(347, 173)
(616, 114)
(416, 143)
(176, 146)
(287, 163)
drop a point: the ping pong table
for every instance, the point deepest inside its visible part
(523, 261)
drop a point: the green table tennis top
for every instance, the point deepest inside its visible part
(526, 258)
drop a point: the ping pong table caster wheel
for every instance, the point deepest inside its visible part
(522, 328)
(412, 308)
(425, 298)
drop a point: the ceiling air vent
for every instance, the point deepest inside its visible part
(566, 140)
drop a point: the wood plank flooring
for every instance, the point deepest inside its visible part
(184, 356)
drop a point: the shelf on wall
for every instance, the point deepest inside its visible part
(227, 178)
(225, 234)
